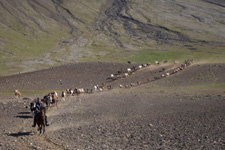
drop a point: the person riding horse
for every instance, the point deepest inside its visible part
(38, 107)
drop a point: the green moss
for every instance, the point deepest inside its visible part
(28, 39)
(181, 53)
(153, 55)
(86, 11)
(24, 43)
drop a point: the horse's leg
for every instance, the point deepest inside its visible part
(43, 129)
(40, 129)
(47, 103)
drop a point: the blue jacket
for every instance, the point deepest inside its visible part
(38, 107)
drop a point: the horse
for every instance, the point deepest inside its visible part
(17, 93)
(40, 120)
(47, 100)
(63, 94)
(54, 98)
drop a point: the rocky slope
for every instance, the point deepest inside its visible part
(161, 114)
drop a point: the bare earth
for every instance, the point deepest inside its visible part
(182, 111)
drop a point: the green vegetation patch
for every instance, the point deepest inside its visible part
(150, 55)
(171, 53)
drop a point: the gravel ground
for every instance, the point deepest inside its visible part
(140, 117)
(140, 121)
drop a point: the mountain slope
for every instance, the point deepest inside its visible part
(37, 34)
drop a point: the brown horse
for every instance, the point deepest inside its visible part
(40, 120)
(17, 93)
(54, 99)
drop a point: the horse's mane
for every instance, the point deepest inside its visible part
(42, 108)
(42, 112)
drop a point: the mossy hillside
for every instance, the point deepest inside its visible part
(176, 53)
(7, 68)
(102, 51)
(86, 11)
(29, 49)
(184, 17)
(24, 42)
(33, 44)
(33, 39)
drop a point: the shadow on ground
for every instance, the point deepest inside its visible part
(24, 113)
(24, 117)
(20, 134)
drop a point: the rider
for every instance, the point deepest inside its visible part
(38, 107)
